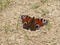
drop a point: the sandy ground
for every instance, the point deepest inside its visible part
(12, 32)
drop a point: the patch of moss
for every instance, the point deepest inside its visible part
(35, 6)
(48, 26)
(4, 4)
(44, 12)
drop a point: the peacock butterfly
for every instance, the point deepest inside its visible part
(32, 23)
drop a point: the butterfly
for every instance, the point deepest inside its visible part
(32, 23)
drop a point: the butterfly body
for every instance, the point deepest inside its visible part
(32, 23)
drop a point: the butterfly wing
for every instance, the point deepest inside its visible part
(39, 23)
(26, 20)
